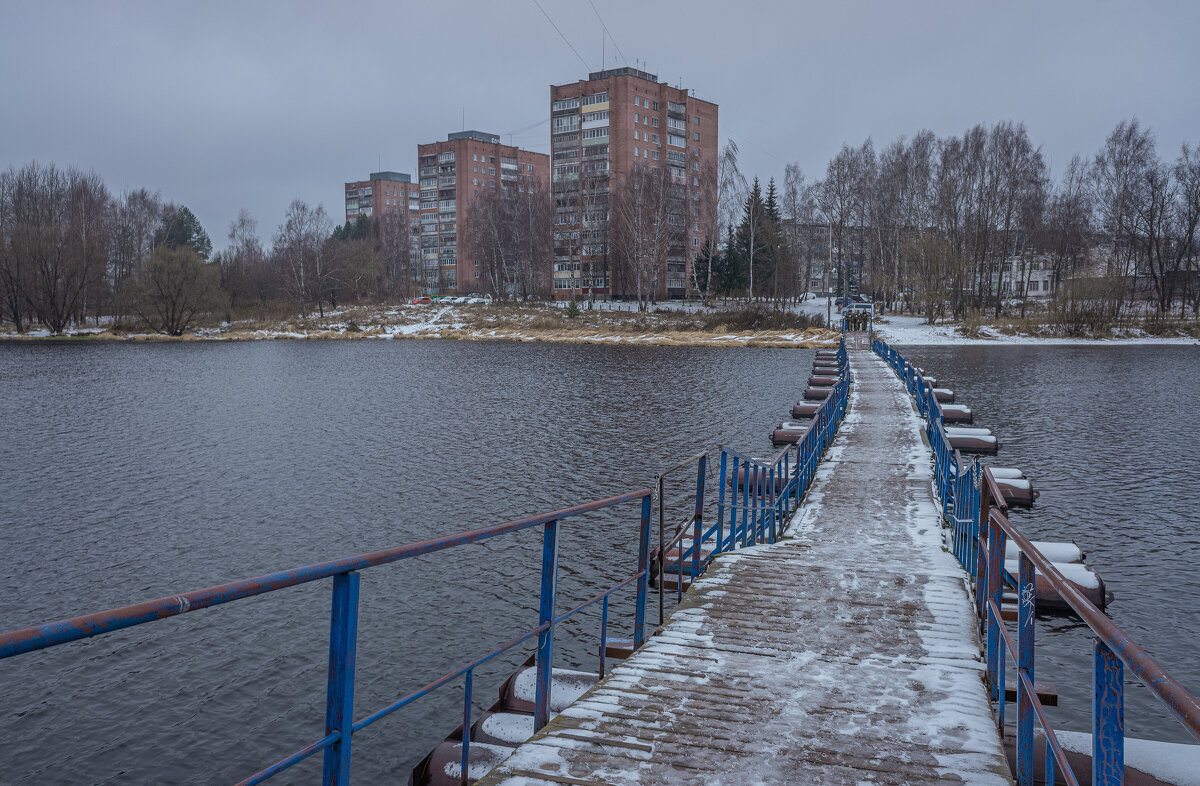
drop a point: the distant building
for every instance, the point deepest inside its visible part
(604, 128)
(453, 174)
(389, 196)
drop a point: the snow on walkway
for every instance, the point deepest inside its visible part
(846, 654)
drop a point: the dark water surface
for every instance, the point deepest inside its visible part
(1111, 437)
(133, 472)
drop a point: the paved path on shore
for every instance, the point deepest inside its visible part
(845, 654)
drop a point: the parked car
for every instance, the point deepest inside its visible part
(419, 301)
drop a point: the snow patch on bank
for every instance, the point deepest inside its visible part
(913, 331)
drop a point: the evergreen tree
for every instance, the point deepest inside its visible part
(752, 237)
(772, 202)
(731, 272)
(180, 227)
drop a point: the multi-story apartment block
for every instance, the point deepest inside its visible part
(453, 174)
(388, 196)
(617, 123)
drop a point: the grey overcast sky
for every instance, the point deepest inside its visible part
(224, 105)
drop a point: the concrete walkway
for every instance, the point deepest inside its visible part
(846, 654)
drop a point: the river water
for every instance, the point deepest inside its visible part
(132, 472)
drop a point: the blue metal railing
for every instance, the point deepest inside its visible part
(974, 508)
(771, 489)
(339, 707)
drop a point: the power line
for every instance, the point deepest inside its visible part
(610, 37)
(560, 33)
(529, 127)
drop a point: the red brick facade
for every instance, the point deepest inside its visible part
(452, 175)
(600, 130)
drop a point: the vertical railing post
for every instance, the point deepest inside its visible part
(786, 489)
(744, 479)
(774, 511)
(734, 489)
(721, 506)
(698, 532)
(603, 634)
(465, 764)
(549, 593)
(995, 654)
(799, 479)
(662, 555)
(643, 586)
(1108, 716)
(1025, 611)
(339, 691)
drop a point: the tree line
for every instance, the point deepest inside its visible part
(954, 226)
(963, 224)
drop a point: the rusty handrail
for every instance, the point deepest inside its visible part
(38, 637)
(1182, 704)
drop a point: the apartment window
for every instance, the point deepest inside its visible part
(696, 136)
(636, 134)
(566, 103)
(695, 242)
(637, 100)
(474, 181)
(696, 151)
(635, 116)
(635, 152)
(655, 138)
(654, 122)
(597, 98)
(646, 119)
(655, 155)
(696, 120)
(491, 170)
(655, 106)
(695, 166)
(491, 159)
(475, 157)
(476, 170)
(529, 167)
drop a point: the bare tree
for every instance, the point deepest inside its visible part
(300, 255)
(171, 286)
(56, 241)
(1117, 176)
(643, 228)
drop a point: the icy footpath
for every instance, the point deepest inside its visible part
(846, 654)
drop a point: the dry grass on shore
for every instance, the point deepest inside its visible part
(754, 327)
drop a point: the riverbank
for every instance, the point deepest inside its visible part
(541, 322)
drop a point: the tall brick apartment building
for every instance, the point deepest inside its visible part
(453, 174)
(390, 196)
(601, 130)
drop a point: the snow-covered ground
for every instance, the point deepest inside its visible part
(912, 331)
